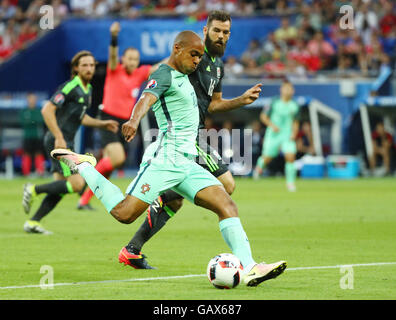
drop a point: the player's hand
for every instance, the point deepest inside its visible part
(129, 130)
(252, 94)
(111, 125)
(274, 128)
(60, 143)
(115, 28)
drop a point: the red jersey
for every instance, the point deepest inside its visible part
(387, 23)
(122, 89)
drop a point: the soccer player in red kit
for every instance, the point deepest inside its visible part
(121, 89)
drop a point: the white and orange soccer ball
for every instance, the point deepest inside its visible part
(224, 271)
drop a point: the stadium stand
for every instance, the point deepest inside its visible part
(314, 41)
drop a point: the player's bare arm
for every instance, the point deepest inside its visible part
(219, 104)
(48, 112)
(115, 29)
(110, 125)
(130, 127)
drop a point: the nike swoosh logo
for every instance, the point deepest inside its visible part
(180, 84)
(96, 189)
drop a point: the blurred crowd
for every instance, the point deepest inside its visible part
(309, 39)
(312, 42)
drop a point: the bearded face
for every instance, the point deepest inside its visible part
(216, 37)
(216, 48)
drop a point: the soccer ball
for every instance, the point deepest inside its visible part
(224, 271)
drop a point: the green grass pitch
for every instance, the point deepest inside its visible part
(326, 223)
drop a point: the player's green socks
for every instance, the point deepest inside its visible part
(109, 194)
(236, 239)
(290, 172)
(169, 211)
(55, 187)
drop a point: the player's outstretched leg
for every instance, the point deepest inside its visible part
(113, 157)
(217, 200)
(104, 167)
(124, 209)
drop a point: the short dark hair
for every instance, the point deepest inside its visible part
(129, 48)
(76, 60)
(218, 15)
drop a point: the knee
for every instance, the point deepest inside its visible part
(78, 185)
(230, 186)
(123, 214)
(267, 160)
(175, 205)
(117, 159)
(123, 217)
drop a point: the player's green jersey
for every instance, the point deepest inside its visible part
(206, 79)
(176, 110)
(282, 114)
(72, 101)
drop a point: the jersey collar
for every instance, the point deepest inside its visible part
(212, 58)
(78, 80)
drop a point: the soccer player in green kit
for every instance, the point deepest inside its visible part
(169, 161)
(282, 124)
(63, 114)
(207, 83)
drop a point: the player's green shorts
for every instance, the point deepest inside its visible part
(184, 176)
(274, 143)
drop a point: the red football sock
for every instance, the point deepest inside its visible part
(86, 197)
(26, 164)
(104, 167)
(39, 163)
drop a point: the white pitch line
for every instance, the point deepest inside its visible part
(375, 264)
